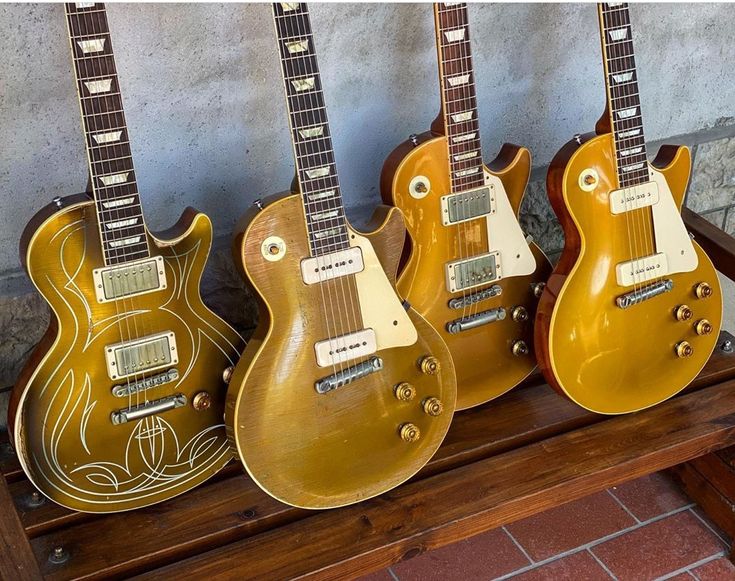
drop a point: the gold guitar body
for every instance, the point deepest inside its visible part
(323, 450)
(483, 356)
(608, 359)
(62, 404)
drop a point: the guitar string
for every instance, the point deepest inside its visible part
(353, 322)
(280, 21)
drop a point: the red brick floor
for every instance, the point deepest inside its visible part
(643, 530)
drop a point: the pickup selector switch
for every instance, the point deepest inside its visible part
(683, 313)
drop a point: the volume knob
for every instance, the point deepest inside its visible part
(683, 313)
(520, 348)
(433, 406)
(703, 327)
(201, 401)
(684, 349)
(409, 432)
(404, 391)
(519, 314)
(703, 290)
(429, 365)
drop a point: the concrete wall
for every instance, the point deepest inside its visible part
(207, 118)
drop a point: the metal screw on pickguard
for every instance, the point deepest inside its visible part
(58, 556)
(727, 346)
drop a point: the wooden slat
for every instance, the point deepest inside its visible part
(17, 560)
(9, 465)
(718, 245)
(483, 495)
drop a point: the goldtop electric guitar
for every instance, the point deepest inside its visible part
(121, 405)
(632, 310)
(468, 269)
(344, 391)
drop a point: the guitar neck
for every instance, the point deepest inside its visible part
(623, 99)
(316, 170)
(459, 103)
(120, 216)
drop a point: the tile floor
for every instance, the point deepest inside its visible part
(643, 530)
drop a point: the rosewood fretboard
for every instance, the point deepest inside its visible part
(459, 103)
(122, 229)
(624, 103)
(315, 166)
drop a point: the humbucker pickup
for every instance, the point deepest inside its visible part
(332, 351)
(641, 270)
(469, 205)
(334, 265)
(472, 272)
(133, 278)
(139, 355)
(634, 197)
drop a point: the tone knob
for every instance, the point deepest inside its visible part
(409, 432)
(519, 314)
(538, 289)
(433, 406)
(684, 349)
(404, 391)
(520, 348)
(201, 401)
(429, 365)
(683, 313)
(227, 374)
(703, 290)
(703, 327)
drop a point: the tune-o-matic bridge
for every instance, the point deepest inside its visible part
(349, 375)
(148, 409)
(126, 389)
(133, 278)
(472, 272)
(467, 323)
(471, 299)
(139, 355)
(329, 266)
(468, 205)
(345, 347)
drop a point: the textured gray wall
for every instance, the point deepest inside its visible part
(206, 114)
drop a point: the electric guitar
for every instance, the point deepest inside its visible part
(121, 405)
(468, 267)
(344, 391)
(632, 310)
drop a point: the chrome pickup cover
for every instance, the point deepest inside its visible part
(469, 205)
(148, 409)
(634, 197)
(472, 272)
(334, 265)
(349, 375)
(139, 355)
(134, 278)
(126, 389)
(345, 347)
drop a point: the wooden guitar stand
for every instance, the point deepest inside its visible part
(527, 452)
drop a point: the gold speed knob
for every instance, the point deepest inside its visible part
(409, 432)
(538, 289)
(201, 401)
(227, 374)
(703, 327)
(520, 348)
(683, 313)
(432, 406)
(684, 349)
(404, 391)
(429, 365)
(519, 314)
(703, 290)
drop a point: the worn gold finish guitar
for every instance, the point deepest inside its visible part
(121, 404)
(344, 391)
(469, 268)
(632, 311)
